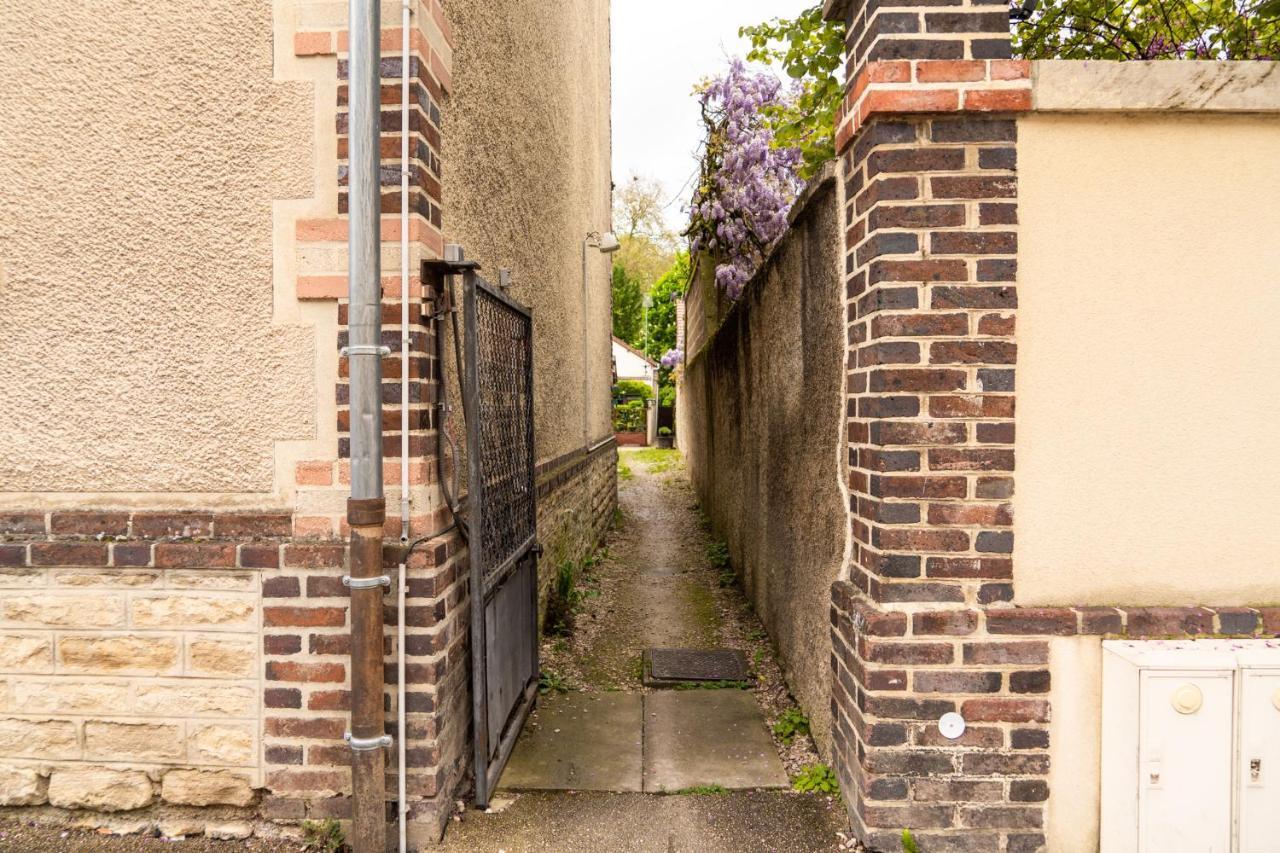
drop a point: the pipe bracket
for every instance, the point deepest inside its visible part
(364, 349)
(363, 744)
(366, 583)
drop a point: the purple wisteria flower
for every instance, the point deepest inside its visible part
(748, 184)
(672, 357)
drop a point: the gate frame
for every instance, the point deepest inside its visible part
(488, 771)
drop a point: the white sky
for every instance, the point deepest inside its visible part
(661, 49)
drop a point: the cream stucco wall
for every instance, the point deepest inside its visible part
(142, 157)
(1148, 469)
(526, 177)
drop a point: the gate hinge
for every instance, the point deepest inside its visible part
(538, 550)
(366, 583)
(362, 744)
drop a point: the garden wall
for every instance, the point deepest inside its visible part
(759, 419)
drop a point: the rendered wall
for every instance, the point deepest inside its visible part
(1147, 351)
(142, 351)
(527, 149)
(759, 410)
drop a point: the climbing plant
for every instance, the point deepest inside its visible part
(810, 50)
(1147, 29)
(747, 182)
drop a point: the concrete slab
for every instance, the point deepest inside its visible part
(707, 737)
(579, 742)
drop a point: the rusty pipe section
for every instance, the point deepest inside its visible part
(367, 738)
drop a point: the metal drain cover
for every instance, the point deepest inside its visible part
(670, 666)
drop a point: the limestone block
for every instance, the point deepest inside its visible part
(109, 577)
(180, 827)
(222, 656)
(206, 788)
(141, 654)
(99, 788)
(26, 653)
(64, 610)
(230, 830)
(186, 610)
(192, 698)
(69, 696)
(221, 743)
(214, 580)
(119, 741)
(22, 786)
(46, 739)
(21, 578)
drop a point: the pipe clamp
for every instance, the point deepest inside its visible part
(364, 349)
(363, 744)
(366, 583)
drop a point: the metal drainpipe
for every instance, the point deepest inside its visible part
(402, 804)
(366, 508)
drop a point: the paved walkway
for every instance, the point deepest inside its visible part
(598, 764)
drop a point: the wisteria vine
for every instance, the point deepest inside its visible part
(747, 183)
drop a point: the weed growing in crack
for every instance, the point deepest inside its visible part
(550, 681)
(816, 779)
(323, 836)
(792, 722)
(704, 790)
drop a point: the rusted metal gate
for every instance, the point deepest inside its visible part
(497, 390)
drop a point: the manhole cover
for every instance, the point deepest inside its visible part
(674, 665)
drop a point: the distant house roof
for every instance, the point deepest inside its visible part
(629, 348)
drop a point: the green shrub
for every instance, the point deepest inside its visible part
(792, 722)
(629, 416)
(816, 779)
(632, 388)
(664, 430)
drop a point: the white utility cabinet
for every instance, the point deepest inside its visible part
(1190, 741)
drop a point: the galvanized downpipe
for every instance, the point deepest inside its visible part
(366, 508)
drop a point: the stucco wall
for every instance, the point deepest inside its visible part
(526, 154)
(140, 156)
(760, 424)
(1148, 345)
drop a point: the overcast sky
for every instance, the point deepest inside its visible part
(661, 49)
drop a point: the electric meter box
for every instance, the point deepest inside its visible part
(1190, 746)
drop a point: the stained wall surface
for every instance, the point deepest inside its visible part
(136, 263)
(1148, 345)
(527, 176)
(760, 427)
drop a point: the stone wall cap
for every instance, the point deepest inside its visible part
(833, 10)
(1190, 86)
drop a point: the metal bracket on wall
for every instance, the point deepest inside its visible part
(364, 349)
(366, 583)
(360, 744)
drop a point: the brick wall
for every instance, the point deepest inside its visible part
(925, 622)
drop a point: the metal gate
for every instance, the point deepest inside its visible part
(497, 391)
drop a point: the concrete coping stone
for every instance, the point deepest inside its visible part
(1190, 86)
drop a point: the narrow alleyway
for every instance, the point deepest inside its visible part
(608, 763)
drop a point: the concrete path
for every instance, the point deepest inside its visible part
(686, 739)
(611, 765)
(743, 822)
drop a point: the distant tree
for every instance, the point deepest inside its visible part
(628, 307)
(660, 325)
(648, 245)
